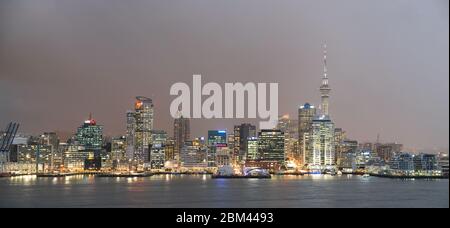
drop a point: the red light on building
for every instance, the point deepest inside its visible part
(138, 104)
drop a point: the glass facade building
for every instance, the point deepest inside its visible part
(271, 146)
(323, 154)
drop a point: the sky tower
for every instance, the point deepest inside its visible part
(324, 88)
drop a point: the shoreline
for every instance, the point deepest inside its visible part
(213, 176)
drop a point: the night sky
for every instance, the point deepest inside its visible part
(387, 60)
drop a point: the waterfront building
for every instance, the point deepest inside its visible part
(443, 163)
(193, 155)
(241, 134)
(426, 163)
(402, 163)
(252, 149)
(222, 156)
(75, 157)
(272, 166)
(29, 154)
(271, 146)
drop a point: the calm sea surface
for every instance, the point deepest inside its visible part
(202, 191)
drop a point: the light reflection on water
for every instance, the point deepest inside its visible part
(202, 191)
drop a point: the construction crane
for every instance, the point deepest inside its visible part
(6, 140)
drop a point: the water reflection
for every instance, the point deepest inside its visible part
(25, 179)
(202, 191)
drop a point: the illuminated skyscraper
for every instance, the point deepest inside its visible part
(271, 146)
(323, 154)
(143, 128)
(157, 152)
(130, 137)
(252, 149)
(181, 131)
(170, 150)
(85, 151)
(193, 155)
(306, 115)
(290, 129)
(339, 137)
(118, 151)
(217, 137)
(323, 150)
(241, 135)
(217, 141)
(90, 135)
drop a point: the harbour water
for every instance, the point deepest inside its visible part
(190, 191)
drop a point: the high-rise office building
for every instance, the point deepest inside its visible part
(217, 140)
(323, 151)
(230, 142)
(181, 131)
(271, 146)
(90, 135)
(193, 155)
(144, 114)
(157, 156)
(252, 149)
(130, 135)
(322, 154)
(339, 137)
(217, 137)
(222, 157)
(50, 138)
(290, 129)
(84, 150)
(170, 150)
(306, 115)
(241, 135)
(346, 158)
(118, 151)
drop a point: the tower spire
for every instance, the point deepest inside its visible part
(325, 61)
(324, 88)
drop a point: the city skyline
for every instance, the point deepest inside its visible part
(363, 82)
